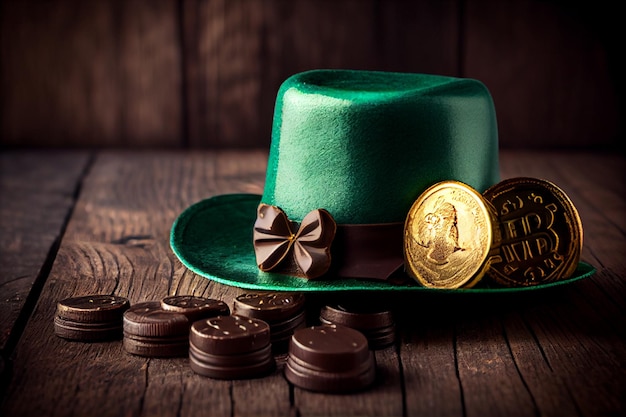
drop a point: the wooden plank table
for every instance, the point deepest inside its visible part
(85, 222)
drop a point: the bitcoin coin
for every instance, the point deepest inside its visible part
(541, 232)
(448, 236)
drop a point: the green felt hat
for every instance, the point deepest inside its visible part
(364, 145)
(360, 145)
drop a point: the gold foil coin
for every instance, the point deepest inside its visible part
(448, 235)
(541, 232)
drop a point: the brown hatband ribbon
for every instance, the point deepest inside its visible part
(320, 248)
(373, 251)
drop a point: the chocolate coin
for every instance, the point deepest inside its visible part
(90, 318)
(230, 335)
(330, 358)
(149, 319)
(93, 308)
(283, 311)
(87, 332)
(194, 307)
(375, 322)
(151, 331)
(230, 347)
(269, 306)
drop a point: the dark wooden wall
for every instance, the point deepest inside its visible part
(204, 73)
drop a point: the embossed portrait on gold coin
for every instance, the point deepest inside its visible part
(447, 236)
(439, 233)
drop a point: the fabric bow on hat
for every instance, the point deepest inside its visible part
(282, 246)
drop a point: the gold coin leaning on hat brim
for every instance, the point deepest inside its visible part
(541, 230)
(439, 225)
(449, 236)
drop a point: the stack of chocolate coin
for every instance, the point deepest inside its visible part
(90, 318)
(151, 331)
(284, 312)
(230, 347)
(331, 359)
(194, 307)
(376, 323)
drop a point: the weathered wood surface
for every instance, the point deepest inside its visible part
(239, 52)
(557, 352)
(98, 73)
(204, 73)
(550, 65)
(37, 194)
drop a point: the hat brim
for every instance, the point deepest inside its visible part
(213, 238)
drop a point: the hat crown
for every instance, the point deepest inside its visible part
(364, 144)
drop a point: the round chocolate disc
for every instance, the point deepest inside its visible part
(377, 338)
(97, 308)
(241, 371)
(194, 307)
(269, 306)
(241, 359)
(349, 380)
(289, 325)
(229, 334)
(329, 347)
(376, 323)
(163, 347)
(357, 316)
(149, 319)
(87, 332)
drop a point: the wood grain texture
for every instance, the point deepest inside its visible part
(245, 49)
(103, 73)
(37, 194)
(204, 73)
(239, 52)
(552, 69)
(555, 352)
(117, 242)
(419, 36)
